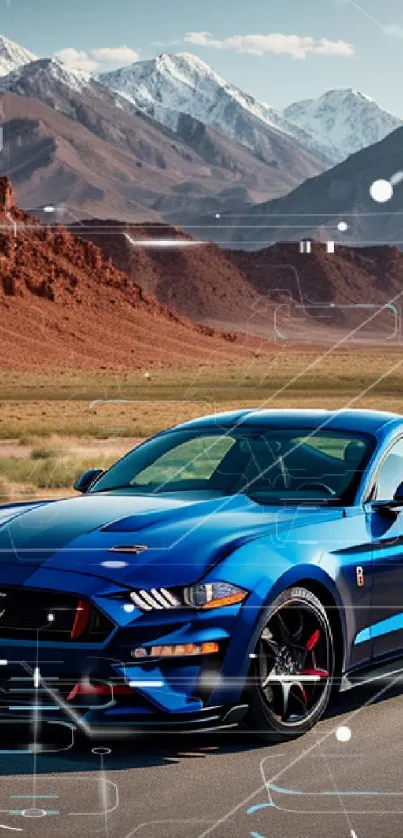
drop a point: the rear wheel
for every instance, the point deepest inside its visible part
(290, 681)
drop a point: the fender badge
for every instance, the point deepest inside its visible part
(128, 548)
(360, 577)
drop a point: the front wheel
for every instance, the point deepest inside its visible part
(290, 680)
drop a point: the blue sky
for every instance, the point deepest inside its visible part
(277, 50)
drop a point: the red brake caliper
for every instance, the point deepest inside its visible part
(313, 640)
(309, 646)
(314, 671)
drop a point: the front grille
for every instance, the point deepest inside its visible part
(30, 614)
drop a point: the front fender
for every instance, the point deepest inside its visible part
(265, 573)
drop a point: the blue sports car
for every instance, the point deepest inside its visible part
(235, 569)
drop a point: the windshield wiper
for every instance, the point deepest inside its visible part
(115, 489)
(295, 501)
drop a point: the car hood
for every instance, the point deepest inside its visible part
(178, 539)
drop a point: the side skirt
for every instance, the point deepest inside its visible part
(374, 673)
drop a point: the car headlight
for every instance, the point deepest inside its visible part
(156, 599)
(213, 595)
(207, 595)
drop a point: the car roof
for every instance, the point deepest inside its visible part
(367, 421)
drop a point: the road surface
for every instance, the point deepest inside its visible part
(342, 780)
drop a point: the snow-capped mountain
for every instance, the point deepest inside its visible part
(74, 93)
(170, 82)
(79, 96)
(41, 78)
(345, 121)
(12, 56)
(176, 114)
(118, 120)
(169, 85)
(330, 128)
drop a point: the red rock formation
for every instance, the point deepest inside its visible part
(63, 304)
(7, 201)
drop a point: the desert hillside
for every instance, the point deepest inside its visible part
(311, 296)
(353, 288)
(63, 304)
(197, 280)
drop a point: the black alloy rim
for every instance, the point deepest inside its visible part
(294, 663)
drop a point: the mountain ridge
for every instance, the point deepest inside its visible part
(344, 120)
(172, 84)
(142, 173)
(12, 55)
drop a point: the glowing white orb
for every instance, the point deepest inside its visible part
(343, 733)
(381, 191)
(342, 226)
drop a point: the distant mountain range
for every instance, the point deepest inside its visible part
(170, 85)
(104, 156)
(188, 168)
(170, 139)
(317, 207)
(332, 127)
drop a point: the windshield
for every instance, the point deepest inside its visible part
(269, 465)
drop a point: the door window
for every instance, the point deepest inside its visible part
(390, 475)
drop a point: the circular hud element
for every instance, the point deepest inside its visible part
(381, 191)
(343, 733)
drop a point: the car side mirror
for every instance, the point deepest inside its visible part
(394, 505)
(87, 479)
(398, 496)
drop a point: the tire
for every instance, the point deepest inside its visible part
(291, 675)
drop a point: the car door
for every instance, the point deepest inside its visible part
(387, 558)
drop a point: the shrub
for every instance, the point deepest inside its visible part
(43, 454)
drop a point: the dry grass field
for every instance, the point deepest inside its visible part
(55, 425)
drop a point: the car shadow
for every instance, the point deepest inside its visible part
(143, 750)
(146, 750)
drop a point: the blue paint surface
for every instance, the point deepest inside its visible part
(391, 624)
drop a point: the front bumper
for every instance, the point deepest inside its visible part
(101, 706)
(95, 686)
(166, 693)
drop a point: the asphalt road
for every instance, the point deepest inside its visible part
(216, 784)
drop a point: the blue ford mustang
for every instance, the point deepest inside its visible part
(237, 568)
